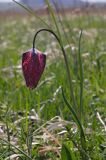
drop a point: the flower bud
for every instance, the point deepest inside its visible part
(33, 64)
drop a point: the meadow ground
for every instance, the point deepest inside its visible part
(36, 124)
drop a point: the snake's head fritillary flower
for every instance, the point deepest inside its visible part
(33, 64)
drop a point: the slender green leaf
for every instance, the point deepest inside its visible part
(54, 20)
(65, 153)
(27, 156)
(64, 54)
(29, 10)
(81, 77)
(77, 121)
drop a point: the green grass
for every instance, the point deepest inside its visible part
(23, 111)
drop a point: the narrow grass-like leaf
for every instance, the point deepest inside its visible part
(65, 153)
(29, 10)
(61, 23)
(54, 19)
(64, 54)
(81, 77)
(77, 121)
(27, 156)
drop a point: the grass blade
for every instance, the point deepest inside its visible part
(54, 20)
(2, 140)
(81, 77)
(64, 54)
(29, 10)
(65, 153)
(77, 121)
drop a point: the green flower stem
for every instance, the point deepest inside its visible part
(65, 59)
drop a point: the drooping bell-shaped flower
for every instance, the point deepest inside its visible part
(33, 64)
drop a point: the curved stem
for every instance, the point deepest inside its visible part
(65, 59)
